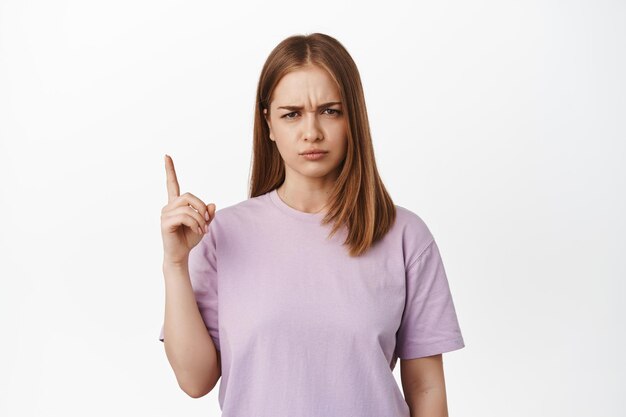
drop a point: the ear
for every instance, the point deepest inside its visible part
(267, 120)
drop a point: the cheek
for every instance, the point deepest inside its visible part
(339, 135)
(283, 131)
(287, 149)
(338, 129)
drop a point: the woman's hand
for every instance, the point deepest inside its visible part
(184, 220)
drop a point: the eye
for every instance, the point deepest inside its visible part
(336, 112)
(333, 112)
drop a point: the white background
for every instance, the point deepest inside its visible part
(500, 123)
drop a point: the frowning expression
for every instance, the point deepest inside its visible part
(306, 113)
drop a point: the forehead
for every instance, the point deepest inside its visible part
(305, 85)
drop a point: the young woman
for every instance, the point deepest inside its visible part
(302, 297)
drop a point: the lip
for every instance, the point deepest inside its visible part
(313, 151)
(313, 156)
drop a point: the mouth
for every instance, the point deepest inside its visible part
(313, 152)
(314, 156)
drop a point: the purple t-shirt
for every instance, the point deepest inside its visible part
(304, 329)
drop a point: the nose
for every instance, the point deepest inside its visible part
(312, 130)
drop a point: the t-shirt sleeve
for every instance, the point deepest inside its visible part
(203, 274)
(429, 324)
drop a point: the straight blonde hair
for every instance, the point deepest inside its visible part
(359, 199)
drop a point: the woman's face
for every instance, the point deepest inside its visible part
(306, 113)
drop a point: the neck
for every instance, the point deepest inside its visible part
(288, 198)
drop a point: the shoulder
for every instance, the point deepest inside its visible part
(240, 214)
(415, 233)
(411, 224)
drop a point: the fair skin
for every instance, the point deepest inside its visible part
(310, 123)
(424, 386)
(307, 183)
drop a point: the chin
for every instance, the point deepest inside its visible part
(318, 171)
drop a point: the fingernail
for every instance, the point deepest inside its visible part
(206, 216)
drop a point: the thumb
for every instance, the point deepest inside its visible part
(211, 210)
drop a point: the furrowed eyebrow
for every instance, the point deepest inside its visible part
(300, 107)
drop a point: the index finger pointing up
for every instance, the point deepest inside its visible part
(172, 183)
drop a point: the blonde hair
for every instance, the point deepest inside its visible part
(359, 199)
